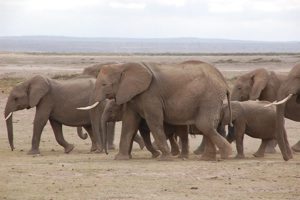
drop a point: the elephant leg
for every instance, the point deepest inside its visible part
(239, 135)
(139, 140)
(174, 145)
(296, 147)
(184, 137)
(262, 148)
(111, 135)
(130, 126)
(40, 120)
(210, 152)
(270, 148)
(146, 137)
(89, 130)
(57, 129)
(200, 148)
(156, 126)
(288, 148)
(207, 127)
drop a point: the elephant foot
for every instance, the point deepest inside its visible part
(69, 148)
(258, 154)
(122, 157)
(93, 148)
(155, 154)
(165, 157)
(33, 152)
(296, 147)
(225, 152)
(98, 150)
(175, 151)
(239, 156)
(111, 147)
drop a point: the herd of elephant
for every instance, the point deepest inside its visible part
(166, 100)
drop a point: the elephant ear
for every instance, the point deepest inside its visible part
(134, 80)
(38, 87)
(260, 79)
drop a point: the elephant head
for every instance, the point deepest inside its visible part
(250, 86)
(25, 95)
(121, 82)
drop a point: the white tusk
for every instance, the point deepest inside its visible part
(89, 107)
(8, 116)
(284, 100)
(270, 104)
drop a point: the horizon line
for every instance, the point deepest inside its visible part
(148, 38)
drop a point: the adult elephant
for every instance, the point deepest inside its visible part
(55, 101)
(288, 105)
(180, 94)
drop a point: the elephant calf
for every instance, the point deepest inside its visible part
(252, 118)
(55, 101)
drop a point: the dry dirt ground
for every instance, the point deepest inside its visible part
(82, 175)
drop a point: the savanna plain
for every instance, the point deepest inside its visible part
(84, 175)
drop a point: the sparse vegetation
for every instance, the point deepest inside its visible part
(6, 84)
(64, 76)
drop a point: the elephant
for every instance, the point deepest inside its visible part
(251, 118)
(55, 101)
(177, 94)
(114, 112)
(288, 105)
(258, 84)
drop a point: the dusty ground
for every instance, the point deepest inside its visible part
(81, 175)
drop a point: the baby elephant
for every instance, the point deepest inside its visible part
(252, 118)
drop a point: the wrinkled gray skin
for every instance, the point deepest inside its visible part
(55, 101)
(177, 94)
(289, 109)
(114, 112)
(251, 118)
(258, 84)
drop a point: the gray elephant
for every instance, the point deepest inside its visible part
(288, 105)
(252, 118)
(55, 101)
(93, 71)
(179, 94)
(114, 112)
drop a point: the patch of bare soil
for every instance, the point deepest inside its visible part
(82, 175)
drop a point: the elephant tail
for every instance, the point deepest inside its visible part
(81, 134)
(229, 107)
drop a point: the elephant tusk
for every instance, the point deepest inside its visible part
(8, 116)
(284, 100)
(270, 104)
(89, 107)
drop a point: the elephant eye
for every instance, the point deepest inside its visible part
(103, 84)
(16, 99)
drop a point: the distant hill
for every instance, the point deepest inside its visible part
(151, 45)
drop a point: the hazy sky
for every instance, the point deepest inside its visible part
(231, 19)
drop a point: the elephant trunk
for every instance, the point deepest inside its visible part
(280, 133)
(104, 121)
(81, 134)
(8, 117)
